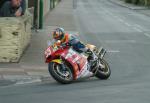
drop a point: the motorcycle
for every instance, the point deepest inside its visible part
(66, 65)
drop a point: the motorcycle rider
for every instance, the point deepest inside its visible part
(60, 37)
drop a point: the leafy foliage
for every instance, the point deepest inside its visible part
(139, 2)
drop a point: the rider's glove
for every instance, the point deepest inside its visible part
(89, 52)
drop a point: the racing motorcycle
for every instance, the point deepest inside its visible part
(66, 65)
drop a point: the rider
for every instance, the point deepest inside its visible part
(60, 37)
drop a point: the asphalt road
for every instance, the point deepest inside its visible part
(126, 35)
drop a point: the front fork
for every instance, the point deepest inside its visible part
(59, 61)
(101, 56)
(101, 53)
(61, 71)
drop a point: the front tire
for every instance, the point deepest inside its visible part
(56, 72)
(103, 73)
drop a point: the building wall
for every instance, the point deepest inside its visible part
(46, 6)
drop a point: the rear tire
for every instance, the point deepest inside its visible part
(52, 66)
(105, 72)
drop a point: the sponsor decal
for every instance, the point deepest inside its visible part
(48, 52)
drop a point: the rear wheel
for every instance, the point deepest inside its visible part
(61, 75)
(103, 71)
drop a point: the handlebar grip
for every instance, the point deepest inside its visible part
(66, 44)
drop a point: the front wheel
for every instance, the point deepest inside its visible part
(61, 75)
(103, 71)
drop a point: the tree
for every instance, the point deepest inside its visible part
(128, 1)
(141, 2)
(145, 2)
(135, 1)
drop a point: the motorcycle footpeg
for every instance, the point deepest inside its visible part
(101, 52)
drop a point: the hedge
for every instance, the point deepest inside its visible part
(141, 2)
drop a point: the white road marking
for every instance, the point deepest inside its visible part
(146, 34)
(137, 29)
(127, 24)
(118, 18)
(120, 41)
(28, 81)
(121, 20)
(113, 51)
(141, 27)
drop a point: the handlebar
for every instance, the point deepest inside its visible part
(65, 44)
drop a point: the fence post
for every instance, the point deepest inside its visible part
(53, 3)
(41, 15)
(35, 17)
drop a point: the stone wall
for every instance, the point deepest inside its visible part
(15, 34)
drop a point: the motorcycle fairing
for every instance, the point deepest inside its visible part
(79, 63)
(85, 71)
(59, 61)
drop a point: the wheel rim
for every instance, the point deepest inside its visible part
(63, 74)
(105, 68)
